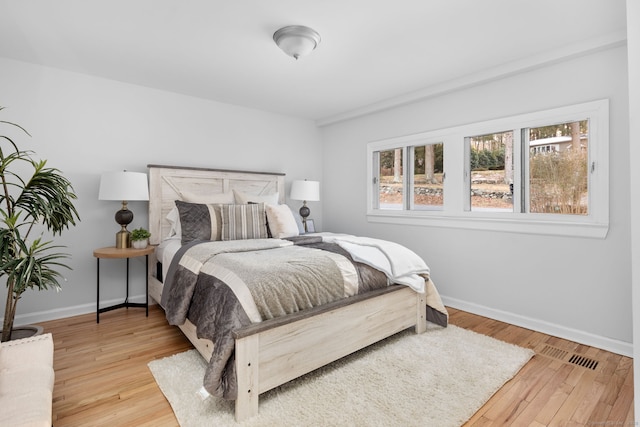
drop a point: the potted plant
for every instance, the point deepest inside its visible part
(29, 207)
(140, 238)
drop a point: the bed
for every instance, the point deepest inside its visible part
(271, 352)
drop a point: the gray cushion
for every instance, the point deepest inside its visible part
(199, 221)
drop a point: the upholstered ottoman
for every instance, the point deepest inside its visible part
(26, 381)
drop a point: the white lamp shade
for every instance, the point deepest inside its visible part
(123, 186)
(305, 190)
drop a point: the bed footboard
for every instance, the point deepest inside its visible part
(273, 352)
(267, 357)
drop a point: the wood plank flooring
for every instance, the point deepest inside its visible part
(550, 391)
(102, 378)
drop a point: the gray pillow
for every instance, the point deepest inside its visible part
(199, 221)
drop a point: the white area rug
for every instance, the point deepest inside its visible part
(439, 378)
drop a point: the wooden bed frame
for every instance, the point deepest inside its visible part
(273, 352)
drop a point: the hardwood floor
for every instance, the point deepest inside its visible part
(102, 378)
(550, 391)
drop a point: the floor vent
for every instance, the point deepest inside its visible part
(585, 362)
(554, 352)
(567, 357)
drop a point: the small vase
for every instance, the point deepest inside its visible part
(139, 244)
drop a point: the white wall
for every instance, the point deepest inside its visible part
(85, 126)
(573, 287)
(633, 40)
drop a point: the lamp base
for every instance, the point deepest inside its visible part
(123, 217)
(123, 239)
(304, 213)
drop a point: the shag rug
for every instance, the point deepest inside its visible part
(439, 378)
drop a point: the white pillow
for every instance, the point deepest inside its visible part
(174, 219)
(209, 199)
(244, 198)
(281, 221)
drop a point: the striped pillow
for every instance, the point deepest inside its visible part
(243, 222)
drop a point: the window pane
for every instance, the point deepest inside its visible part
(558, 180)
(491, 158)
(391, 188)
(428, 177)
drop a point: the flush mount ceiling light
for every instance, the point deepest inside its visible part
(296, 40)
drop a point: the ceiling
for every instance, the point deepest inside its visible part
(372, 51)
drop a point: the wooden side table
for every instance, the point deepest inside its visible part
(127, 253)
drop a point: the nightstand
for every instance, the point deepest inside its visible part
(126, 253)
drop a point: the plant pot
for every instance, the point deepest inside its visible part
(139, 244)
(26, 331)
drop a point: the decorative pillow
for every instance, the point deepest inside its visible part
(199, 221)
(281, 221)
(174, 216)
(243, 221)
(244, 198)
(209, 199)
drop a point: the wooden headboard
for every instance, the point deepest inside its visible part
(169, 183)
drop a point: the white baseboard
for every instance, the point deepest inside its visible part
(615, 346)
(582, 337)
(61, 313)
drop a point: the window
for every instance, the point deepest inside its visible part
(558, 179)
(421, 177)
(391, 181)
(544, 172)
(428, 177)
(491, 177)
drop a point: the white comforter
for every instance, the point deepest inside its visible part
(400, 264)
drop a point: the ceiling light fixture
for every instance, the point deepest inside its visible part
(296, 40)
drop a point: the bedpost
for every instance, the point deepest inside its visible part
(421, 313)
(247, 377)
(154, 288)
(155, 205)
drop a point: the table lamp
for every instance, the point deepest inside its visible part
(305, 191)
(124, 186)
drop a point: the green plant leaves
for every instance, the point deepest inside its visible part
(43, 199)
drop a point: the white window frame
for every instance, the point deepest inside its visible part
(456, 185)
